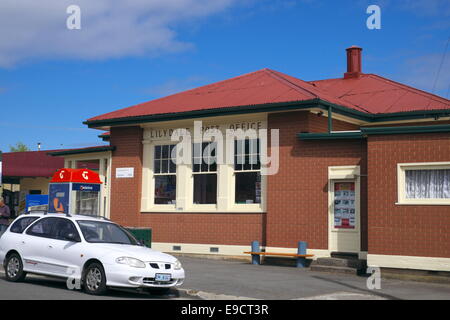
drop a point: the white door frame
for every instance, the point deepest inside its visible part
(352, 237)
(70, 161)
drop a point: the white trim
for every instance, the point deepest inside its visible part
(228, 250)
(184, 193)
(401, 183)
(408, 262)
(194, 248)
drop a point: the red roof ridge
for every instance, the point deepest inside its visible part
(183, 92)
(282, 77)
(432, 96)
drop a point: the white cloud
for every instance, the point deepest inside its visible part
(31, 29)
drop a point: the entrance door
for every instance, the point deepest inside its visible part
(344, 216)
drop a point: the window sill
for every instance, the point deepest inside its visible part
(204, 211)
(424, 203)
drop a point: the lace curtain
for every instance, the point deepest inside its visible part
(428, 184)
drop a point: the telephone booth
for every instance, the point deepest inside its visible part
(75, 191)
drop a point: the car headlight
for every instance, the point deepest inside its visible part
(132, 262)
(177, 265)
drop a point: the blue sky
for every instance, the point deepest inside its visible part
(52, 79)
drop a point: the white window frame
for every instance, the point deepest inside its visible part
(185, 181)
(151, 182)
(204, 206)
(247, 206)
(401, 182)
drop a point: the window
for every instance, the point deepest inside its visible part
(105, 232)
(43, 228)
(204, 169)
(87, 203)
(428, 184)
(20, 225)
(424, 184)
(165, 170)
(247, 169)
(65, 227)
(218, 175)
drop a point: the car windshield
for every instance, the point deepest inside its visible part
(105, 232)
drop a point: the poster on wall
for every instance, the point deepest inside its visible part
(59, 198)
(344, 205)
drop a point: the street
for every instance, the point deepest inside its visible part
(227, 280)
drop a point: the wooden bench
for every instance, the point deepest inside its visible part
(281, 254)
(301, 258)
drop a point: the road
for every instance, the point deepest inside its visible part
(223, 279)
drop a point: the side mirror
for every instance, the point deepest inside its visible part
(72, 237)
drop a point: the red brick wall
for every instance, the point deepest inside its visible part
(126, 192)
(409, 230)
(320, 124)
(202, 228)
(298, 194)
(205, 228)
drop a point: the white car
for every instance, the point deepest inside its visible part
(91, 251)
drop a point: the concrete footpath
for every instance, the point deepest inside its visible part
(228, 280)
(239, 279)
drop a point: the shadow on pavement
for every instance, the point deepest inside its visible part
(371, 292)
(117, 293)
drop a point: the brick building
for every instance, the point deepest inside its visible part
(363, 167)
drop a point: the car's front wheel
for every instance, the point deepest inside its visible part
(95, 279)
(14, 268)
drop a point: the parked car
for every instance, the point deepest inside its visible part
(91, 251)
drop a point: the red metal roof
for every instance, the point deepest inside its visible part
(367, 93)
(30, 164)
(380, 95)
(256, 88)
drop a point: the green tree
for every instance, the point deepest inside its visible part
(19, 147)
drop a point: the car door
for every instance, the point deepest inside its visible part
(35, 244)
(66, 249)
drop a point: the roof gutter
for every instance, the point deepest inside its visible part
(81, 151)
(271, 107)
(298, 105)
(364, 132)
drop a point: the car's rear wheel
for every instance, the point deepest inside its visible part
(94, 281)
(14, 268)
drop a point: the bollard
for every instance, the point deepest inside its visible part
(255, 248)
(301, 262)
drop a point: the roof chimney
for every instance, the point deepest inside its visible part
(353, 62)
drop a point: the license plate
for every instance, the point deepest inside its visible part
(162, 277)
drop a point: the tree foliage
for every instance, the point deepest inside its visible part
(19, 147)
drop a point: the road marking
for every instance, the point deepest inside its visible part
(342, 295)
(212, 296)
